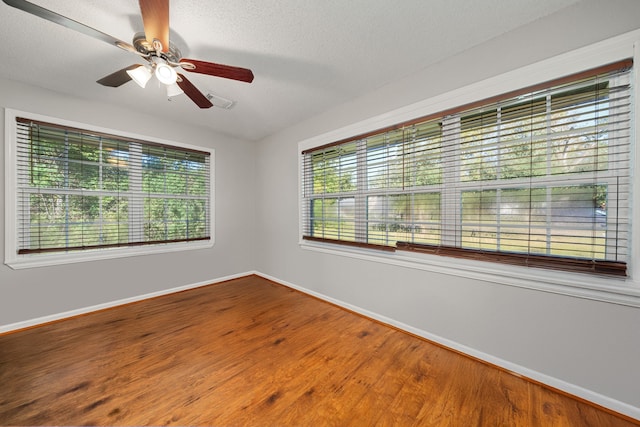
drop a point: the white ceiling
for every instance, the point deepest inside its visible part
(306, 55)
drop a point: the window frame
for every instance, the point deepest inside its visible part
(620, 290)
(20, 261)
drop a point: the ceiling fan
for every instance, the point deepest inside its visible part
(162, 57)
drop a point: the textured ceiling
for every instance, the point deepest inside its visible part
(306, 55)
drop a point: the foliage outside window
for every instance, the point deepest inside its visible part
(539, 177)
(80, 190)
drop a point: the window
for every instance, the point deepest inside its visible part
(537, 177)
(80, 190)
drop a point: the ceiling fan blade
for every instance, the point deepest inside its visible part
(218, 70)
(155, 18)
(192, 92)
(68, 22)
(118, 78)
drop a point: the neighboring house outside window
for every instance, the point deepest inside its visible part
(540, 177)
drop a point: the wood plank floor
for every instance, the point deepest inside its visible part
(249, 352)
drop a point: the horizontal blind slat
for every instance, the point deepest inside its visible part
(544, 173)
(81, 190)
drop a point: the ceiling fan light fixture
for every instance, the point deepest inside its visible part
(154, 46)
(174, 90)
(166, 74)
(140, 75)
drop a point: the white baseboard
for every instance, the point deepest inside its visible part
(64, 315)
(589, 395)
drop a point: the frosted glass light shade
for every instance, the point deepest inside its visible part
(166, 74)
(174, 90)
(140, 75)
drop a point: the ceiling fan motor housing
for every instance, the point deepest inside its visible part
(163, 57)
(143, 46)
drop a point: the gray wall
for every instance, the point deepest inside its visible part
(44, 291)
(590, 344)
(594, 345)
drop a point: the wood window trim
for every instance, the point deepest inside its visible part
(618, 65)
(610, 268)
(361, 245)
(114, 245)
(18, 257)
(569, 263)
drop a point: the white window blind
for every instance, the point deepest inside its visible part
(79, 190)
(537, 177)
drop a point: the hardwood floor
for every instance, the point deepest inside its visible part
(249, 352)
